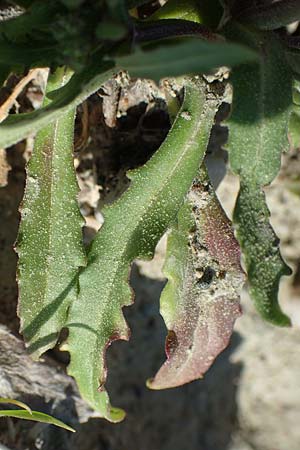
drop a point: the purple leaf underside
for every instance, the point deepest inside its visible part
(201, 300)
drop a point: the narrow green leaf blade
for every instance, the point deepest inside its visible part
(15, 402)
(200, 302)
(78, 88)
(190, 56)
(36, 417)
(258, 134)
(50, 240)
(156, 192)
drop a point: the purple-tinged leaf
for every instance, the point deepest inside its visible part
(200, 302)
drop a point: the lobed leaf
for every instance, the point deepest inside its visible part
(49, 241)
(189, 56)
(260, 246)
(258, 126)
(200, 302)
(77, 89)
(132, 227)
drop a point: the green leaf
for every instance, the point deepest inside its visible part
(15, 402)
(65, 99)
(179, 9)
(4, 73)
(37, 17)
(200, 302)
(118, 10)
(271, 16)
(294, 127)
(36, 417)
(184, 57)
(50, 238)
(262, 98)
(260, 247)
(207, 12)
(294, 124)
(26, 55)
(132, 227)
(72, 4)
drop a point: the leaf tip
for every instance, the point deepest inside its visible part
(116, 415)
(150, 384)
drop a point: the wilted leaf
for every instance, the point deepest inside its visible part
(132, 227)
(50, 238)
(200, 302)
(262, 99)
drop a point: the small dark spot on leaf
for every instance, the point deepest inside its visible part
(207, 277)
(171, 343)
(222, 274)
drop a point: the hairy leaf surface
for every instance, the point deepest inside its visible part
(64, 99)
(132, 227)
(258, 134)
(200, 302)
(49, 242)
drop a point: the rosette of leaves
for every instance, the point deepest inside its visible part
(86, 293)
